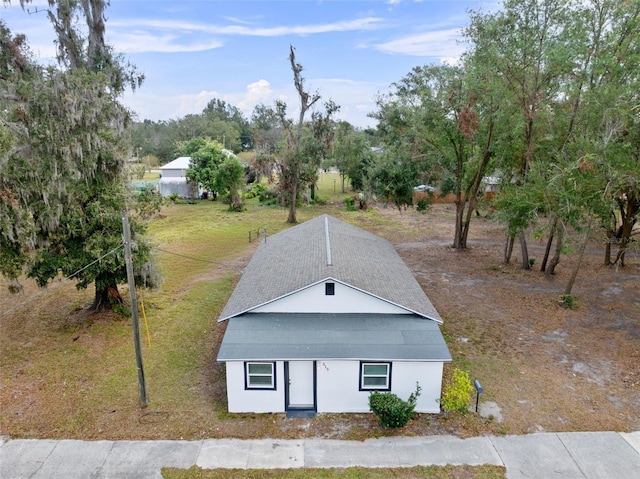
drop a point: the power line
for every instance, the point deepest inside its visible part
(55, 285)
(197, 259)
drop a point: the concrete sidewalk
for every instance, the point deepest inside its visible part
(592, 455)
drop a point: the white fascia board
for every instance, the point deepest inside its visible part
(329, 278)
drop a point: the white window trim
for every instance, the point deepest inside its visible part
(248, 376)
(385, 387)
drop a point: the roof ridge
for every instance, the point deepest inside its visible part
(327, 239)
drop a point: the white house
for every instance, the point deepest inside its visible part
(173, 179)
(325, 313)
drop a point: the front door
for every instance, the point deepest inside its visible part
(301, 384)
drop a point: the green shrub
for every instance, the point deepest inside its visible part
(255, 190)
(457, 392)
(267, 196)
(236, 207)
(350, 203)
(569, 301)
(320, 200)
(392, 411)
(423, 204)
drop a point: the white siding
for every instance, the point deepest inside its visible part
(339, 382)
(179, 186)
(429, 375)
(174, 173)
(253, 400)
(345, 300)
(338, 385)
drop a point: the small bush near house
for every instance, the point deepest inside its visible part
(392, 411)
(457, 392)
(148, 203)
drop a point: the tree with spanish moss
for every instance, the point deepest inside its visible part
(62, 181)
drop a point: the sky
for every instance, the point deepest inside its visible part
(192, 51)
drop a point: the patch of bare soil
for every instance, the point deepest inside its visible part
(546, 367)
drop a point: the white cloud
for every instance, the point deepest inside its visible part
(196, 103)
(450, 61)
(257, 92)
(356, 100)
(366, 23)
(139, 42)
(441, 43)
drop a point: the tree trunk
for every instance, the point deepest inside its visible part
(473, 191)
(607, 247)
(551, 270)
(508, 248)
(105, 298)
(292, 203)
(525, 251)
(457, 239)
(547, 250)
(574, 273)
(543, 265)
(628, 216)
(467, 220)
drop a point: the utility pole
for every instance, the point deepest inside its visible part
(126, 237)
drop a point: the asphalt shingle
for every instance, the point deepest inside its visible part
(291, 336)
(297, 258)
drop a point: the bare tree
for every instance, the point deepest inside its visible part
(292, 164)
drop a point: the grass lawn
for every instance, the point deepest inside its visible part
(70, 374)
(420, 472)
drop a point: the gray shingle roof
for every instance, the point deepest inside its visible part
(296, 258)
(290, 336)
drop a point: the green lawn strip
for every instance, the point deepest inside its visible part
(192, 239)
(181, 334)
(418, 472)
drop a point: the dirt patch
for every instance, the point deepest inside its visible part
(546, 367)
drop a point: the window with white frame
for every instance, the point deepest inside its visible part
(260, 376)
(375, 376)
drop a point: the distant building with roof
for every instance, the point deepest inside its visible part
(325, 313)
(173, 179)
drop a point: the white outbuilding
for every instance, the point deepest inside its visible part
(173, 179)
(325, 313)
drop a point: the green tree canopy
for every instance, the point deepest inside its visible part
(229, 178)
(62, 182)
(206, 157)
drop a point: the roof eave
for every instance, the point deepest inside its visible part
(331, 278)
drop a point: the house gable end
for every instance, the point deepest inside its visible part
(325, 247)
(345, 299)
